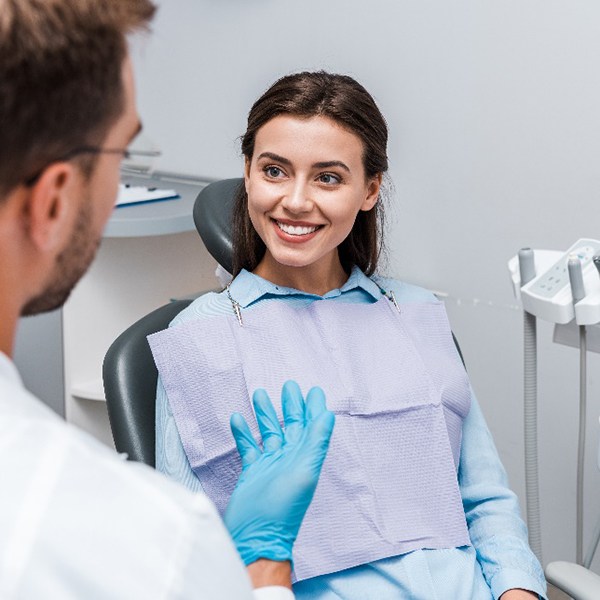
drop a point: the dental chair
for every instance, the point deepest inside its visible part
(572, 579)
(128, 371)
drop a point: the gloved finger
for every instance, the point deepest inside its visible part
(292, 404)
(268, 423)
(318, 436)
(315, 403)
(320, 422)
(246, 444)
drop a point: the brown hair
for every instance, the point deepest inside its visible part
(60, 77)
(345, 101)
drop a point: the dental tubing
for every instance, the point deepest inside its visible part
(578, 293)
(532, 488)
(596, 537)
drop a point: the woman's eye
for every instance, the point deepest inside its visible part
(329, 178)
(273, 172)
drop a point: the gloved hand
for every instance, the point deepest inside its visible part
(278, 482)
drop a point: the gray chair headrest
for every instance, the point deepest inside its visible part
(213, 210)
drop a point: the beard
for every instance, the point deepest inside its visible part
(70, 266)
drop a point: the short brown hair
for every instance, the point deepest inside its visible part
(347, 102)
(60, 77)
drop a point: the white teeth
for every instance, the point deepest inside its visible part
(295, 229)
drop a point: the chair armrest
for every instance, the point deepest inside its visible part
(574, 580)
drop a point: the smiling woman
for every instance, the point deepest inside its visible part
(412, 501)
(349, 110)
(303, 199)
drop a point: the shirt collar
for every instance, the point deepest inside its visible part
(247, 288)
(8, 370)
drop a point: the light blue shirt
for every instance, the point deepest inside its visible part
(499, 558)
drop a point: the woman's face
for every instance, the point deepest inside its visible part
(306, 183)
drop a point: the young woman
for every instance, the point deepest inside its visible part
(413, 500)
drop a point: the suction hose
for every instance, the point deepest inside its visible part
(581, 443)
(578, 293)
(532, 486)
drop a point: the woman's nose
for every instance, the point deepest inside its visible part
(297, 198)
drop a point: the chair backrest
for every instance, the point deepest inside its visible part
(130, 377)
(128, 371)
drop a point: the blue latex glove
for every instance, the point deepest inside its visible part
(278, 482)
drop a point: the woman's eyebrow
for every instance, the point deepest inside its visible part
(331, 163)
(318, 165)
(275, 157)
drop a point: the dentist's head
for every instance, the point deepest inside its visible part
(67, 115)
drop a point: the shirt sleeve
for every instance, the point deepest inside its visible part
(497, 531)
(171, 458)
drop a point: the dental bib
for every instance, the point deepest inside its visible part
(394, 380)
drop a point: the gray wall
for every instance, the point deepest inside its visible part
(39, 358)
(494, 115)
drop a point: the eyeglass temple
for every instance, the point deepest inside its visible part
(144, 152)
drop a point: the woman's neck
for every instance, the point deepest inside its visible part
(317, 278)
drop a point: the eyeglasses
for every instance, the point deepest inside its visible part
(125, 153)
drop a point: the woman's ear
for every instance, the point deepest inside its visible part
(373, 187)
(246, 172)
(49, 206)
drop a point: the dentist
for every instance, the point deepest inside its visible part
(75, 520)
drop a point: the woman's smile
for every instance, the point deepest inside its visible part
(297, 231)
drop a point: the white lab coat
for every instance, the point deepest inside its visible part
(77, 522)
